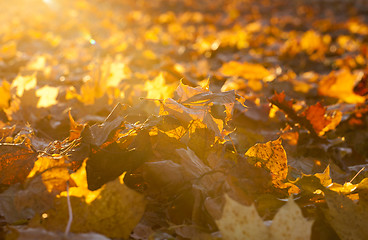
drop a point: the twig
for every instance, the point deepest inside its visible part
(357, 174)
(70, 220)
(232, 142)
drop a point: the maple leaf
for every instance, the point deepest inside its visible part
(186, 115)
(96, 211)
(98, 134)
(272, 156)
(348, 219)
(340, 85)
(185, 92)
(315, 115)
(75, 128)
(16, 161)
(5, 94)
(243, 222)
(158, 89)
(8, 208)
(47, 96)
(54, 172)
(24, 83)
(245, 70)
(39, 233)
(313, 118)
(195, 104)
(361, 88)
(109, 162)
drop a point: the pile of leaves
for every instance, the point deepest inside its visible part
(183, 119)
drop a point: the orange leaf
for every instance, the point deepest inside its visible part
(16, 161)
(316, 116)
(75, 128)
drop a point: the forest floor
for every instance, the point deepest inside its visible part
(183, 119)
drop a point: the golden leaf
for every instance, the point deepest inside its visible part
(5, 94)
(47, 96)
(158, 89)
(340, 85)
(272, 156)
(246, 70)
(96, 211)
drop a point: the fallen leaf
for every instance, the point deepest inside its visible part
(39, 233)
(99, 134)
(54, 172)
(240, 222)
(272, 156)
(8, 208)
(340, 85)
(246, 70)
(5, 94)
(361, 88)
(315, 114)
(16, 161)
(107, 163)
(243, 222)
(75, 128)
(347, 218)
(289, 223)
(96, 211)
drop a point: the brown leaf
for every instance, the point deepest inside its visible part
(107, 163)
(101, 133)
(349, 219)
(16, 161)
(361, 88)
(8, 208)
(39, 233)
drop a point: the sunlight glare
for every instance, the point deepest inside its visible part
(92, 41)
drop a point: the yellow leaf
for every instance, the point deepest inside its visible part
(272, 156)
(324, 177)
(114, 71)
(158, 89)
(239, 222)
(98, 211)
(54, 172)
(24, 83)
(5, 95)
(340, 85)
(47, 96)
(289, 223)
(8, 50)
(246, 70)
(243, 222)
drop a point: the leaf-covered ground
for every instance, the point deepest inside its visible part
(183, 119)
